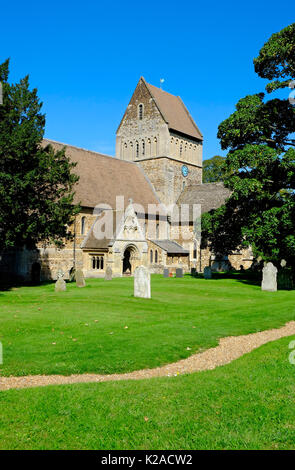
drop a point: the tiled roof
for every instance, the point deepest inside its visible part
(174, 112)
(92, 241)
(171, 247)
(209, 195)
(102, 178)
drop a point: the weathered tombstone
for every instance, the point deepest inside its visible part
(179, 272)
(207, 272)
(193, 272)
(283, 263)
(109, 273)
(166, 272)
(269, 278)
(60, 285)
(142, 282)
(80, 279)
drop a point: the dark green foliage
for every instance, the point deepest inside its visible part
(260, 167)
(276, 59)
(213, 169)
(36, 183)
(256, 122)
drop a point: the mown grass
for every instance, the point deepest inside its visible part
(83, 330)
(248, 404)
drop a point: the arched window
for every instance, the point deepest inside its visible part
(180, 149)
(140, 111)
(149, 148)
(137, 149)
(97, 262)
(125, 150)
(157, 230)
(155, 150)
(195, 250)
(151, 256)
(143, 148)
(156, 256)
(83, 225)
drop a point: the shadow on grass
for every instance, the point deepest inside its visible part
(246, 277)
(15, 283)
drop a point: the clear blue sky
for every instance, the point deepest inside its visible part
(86, 57)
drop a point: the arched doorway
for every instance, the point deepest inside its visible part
(129, 258)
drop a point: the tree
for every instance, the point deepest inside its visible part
(213, 169)
(260, 164)
(36, 183)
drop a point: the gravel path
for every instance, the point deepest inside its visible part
(229, 348)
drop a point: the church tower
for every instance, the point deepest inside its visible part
(159, 134)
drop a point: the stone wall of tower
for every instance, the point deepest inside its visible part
(185, 149)
(166, 177)
(142, 138)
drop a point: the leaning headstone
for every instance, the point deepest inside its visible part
(179, 272)
(269, 278)
(60, 285)
(207, 272)
(166, 272)
(80, 279)
(142, 282)
(109, 273)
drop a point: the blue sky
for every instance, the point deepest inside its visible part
(86, 58)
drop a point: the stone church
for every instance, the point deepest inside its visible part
(128, 201)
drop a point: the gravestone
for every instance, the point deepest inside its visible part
(142, 282)
(60, 285)
(269, 278)
(166, 272)
(80, 280)
(108, 274)
(207, 272)
(179, 272)
(283, 263)
(193, 272)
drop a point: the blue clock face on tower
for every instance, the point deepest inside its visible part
(184, 170)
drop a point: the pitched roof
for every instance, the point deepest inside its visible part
(92, 241)
(209, 195)
(171, 247)
(174, 112)
(102, 178)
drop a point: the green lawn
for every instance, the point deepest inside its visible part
(248, 404)
(83, 330)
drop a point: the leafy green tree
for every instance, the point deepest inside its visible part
(260, 164)
(213, 169)
(36, 183)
